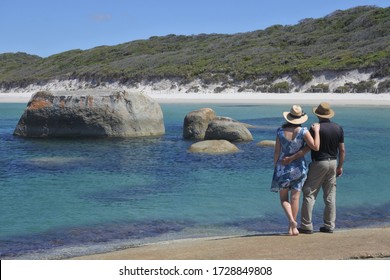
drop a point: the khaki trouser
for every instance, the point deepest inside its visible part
(321, 174)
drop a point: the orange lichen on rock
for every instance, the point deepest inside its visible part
(90, 101)
(37, 104)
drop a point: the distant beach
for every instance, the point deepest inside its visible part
(276, 98)
(246, 98)
(15, 97)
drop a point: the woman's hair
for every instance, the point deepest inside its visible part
(287, 124)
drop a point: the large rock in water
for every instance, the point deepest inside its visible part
(227, 129)
(196, 123)
(91, 114)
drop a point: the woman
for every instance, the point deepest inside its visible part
(290, 138)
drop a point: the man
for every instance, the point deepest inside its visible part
(323, 170)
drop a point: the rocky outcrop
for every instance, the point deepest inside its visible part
(213, 147)
(196, 123)
(229, 130)
(91, 114)
(204, 124)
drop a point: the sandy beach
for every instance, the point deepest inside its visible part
(347, 99)
(276, 98)
(368, 243)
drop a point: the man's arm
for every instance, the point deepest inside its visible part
(339, 170)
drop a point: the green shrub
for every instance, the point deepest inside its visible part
(301, 77)
(384, 87)
(319, 88)
(363, 86)
(282, 87)
(342, 89)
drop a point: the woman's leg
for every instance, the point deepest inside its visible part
(294, 202)
(284, 200)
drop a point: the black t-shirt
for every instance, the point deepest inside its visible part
(331, 135)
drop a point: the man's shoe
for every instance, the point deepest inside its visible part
(305, 231)
(326, 230)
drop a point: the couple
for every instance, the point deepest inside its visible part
(326, 142)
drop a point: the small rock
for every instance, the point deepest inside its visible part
(213, 147)
(267, 143)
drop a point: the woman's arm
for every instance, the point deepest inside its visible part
(301, 153)
(311, 144)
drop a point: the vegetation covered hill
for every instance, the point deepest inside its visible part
(357, 38)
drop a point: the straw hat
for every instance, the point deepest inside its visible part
(323, 111)
(296, 115)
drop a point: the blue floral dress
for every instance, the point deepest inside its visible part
(290, 176)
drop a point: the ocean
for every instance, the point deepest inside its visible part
(61, 198)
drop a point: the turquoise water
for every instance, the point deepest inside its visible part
(67, 197)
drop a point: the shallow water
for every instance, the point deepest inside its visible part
(67, 197)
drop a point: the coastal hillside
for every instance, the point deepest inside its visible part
(313, 55)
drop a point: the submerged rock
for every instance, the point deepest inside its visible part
(266, 143)
(91, 114)
(213, 147)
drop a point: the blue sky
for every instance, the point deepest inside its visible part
(46, 27)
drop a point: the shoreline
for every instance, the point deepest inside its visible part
(360, 243)
(345, 99)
